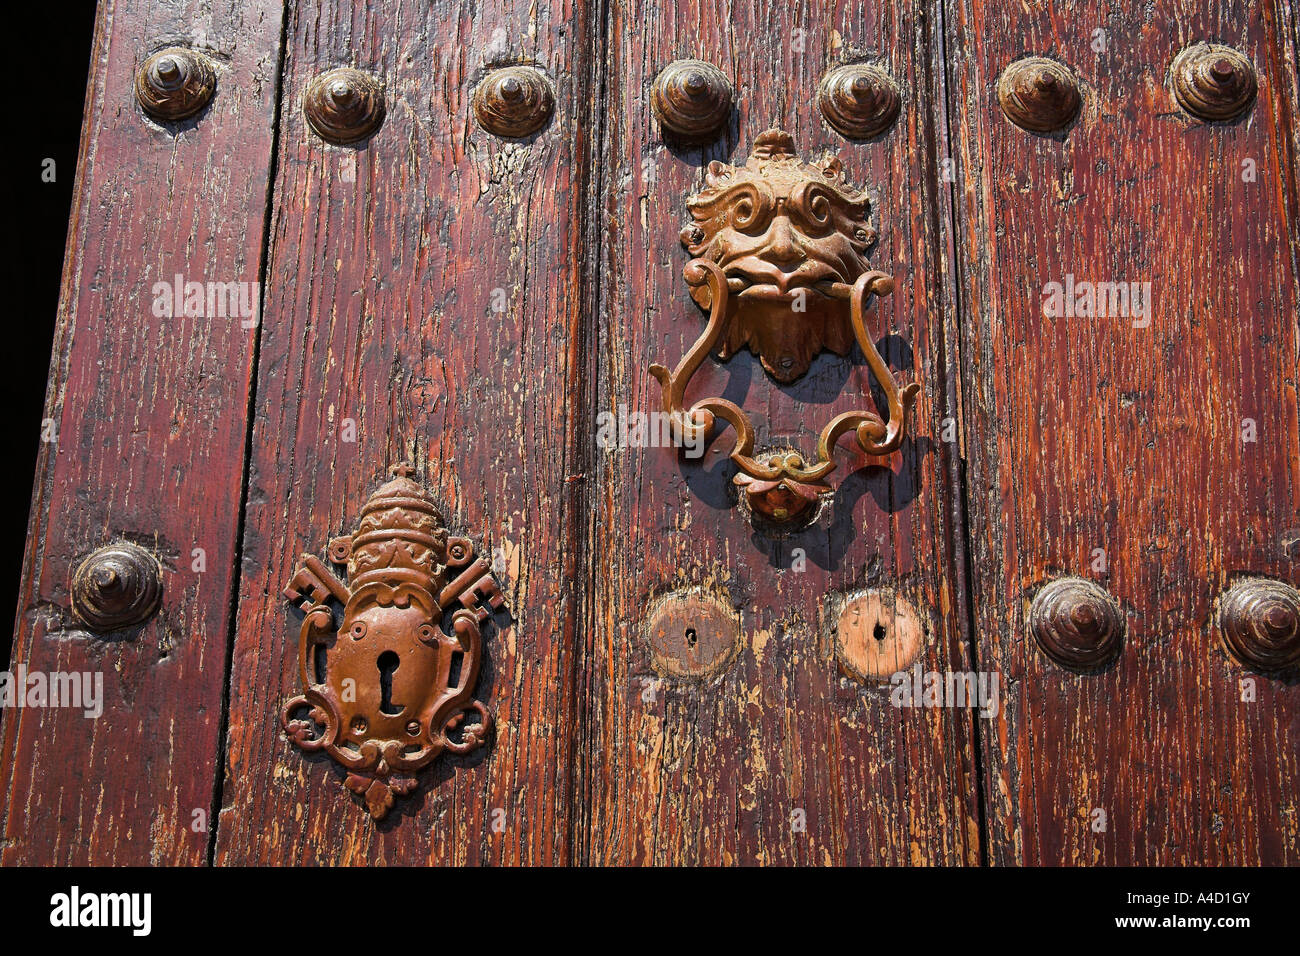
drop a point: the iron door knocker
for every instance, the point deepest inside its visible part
(780, 263)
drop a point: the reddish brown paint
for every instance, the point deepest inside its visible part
(716, 772)
(151, 417)
(1084, 434)
(380, 310)
(1037, 441)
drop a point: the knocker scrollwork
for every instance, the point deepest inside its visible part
(388, 690)
(766, 236)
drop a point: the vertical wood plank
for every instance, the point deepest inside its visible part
(721, 770)
(1090, 433)
(384, 262)
(151, 416)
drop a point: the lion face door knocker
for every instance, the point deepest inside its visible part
(388, 690)
(780, 264)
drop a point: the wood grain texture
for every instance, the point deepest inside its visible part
(150, 415)
(711, 771)
(472, 304)
(384, 260)
(1089, 433)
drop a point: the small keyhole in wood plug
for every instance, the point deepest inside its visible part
(691, 637)
(878, 634)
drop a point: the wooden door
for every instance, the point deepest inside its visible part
(1155, 455)
(473, 276)
(776, 755)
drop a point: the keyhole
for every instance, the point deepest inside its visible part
(388, 663)
(691, 637)
(878, 632)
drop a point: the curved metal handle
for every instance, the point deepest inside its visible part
(769, 484)
(777, 191)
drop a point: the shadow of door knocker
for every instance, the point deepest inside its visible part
(780, 250)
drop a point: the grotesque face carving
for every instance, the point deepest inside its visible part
(786, 233)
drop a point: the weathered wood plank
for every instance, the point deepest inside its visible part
(384, 262)
(1093, 440)
(151, 417)
(711, 770)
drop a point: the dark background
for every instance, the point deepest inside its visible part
(45, 122)
(1079, 903)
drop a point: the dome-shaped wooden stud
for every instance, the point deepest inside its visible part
(117, 586)
(692, 100)
(1259, 621)
(1039, 95)
(175, 83)
(1213, 82)
(514, 101)
(858, 100)
(1076, 623)
(344, 105)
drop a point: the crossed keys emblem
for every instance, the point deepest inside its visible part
(385, 689)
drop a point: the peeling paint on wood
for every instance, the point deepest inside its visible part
(151, 414)
(425, 297)
(779, 758)
(473, 303)
(1120, 448)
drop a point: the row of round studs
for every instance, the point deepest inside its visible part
(693, 100)
(343, 105)
(1077, 624)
